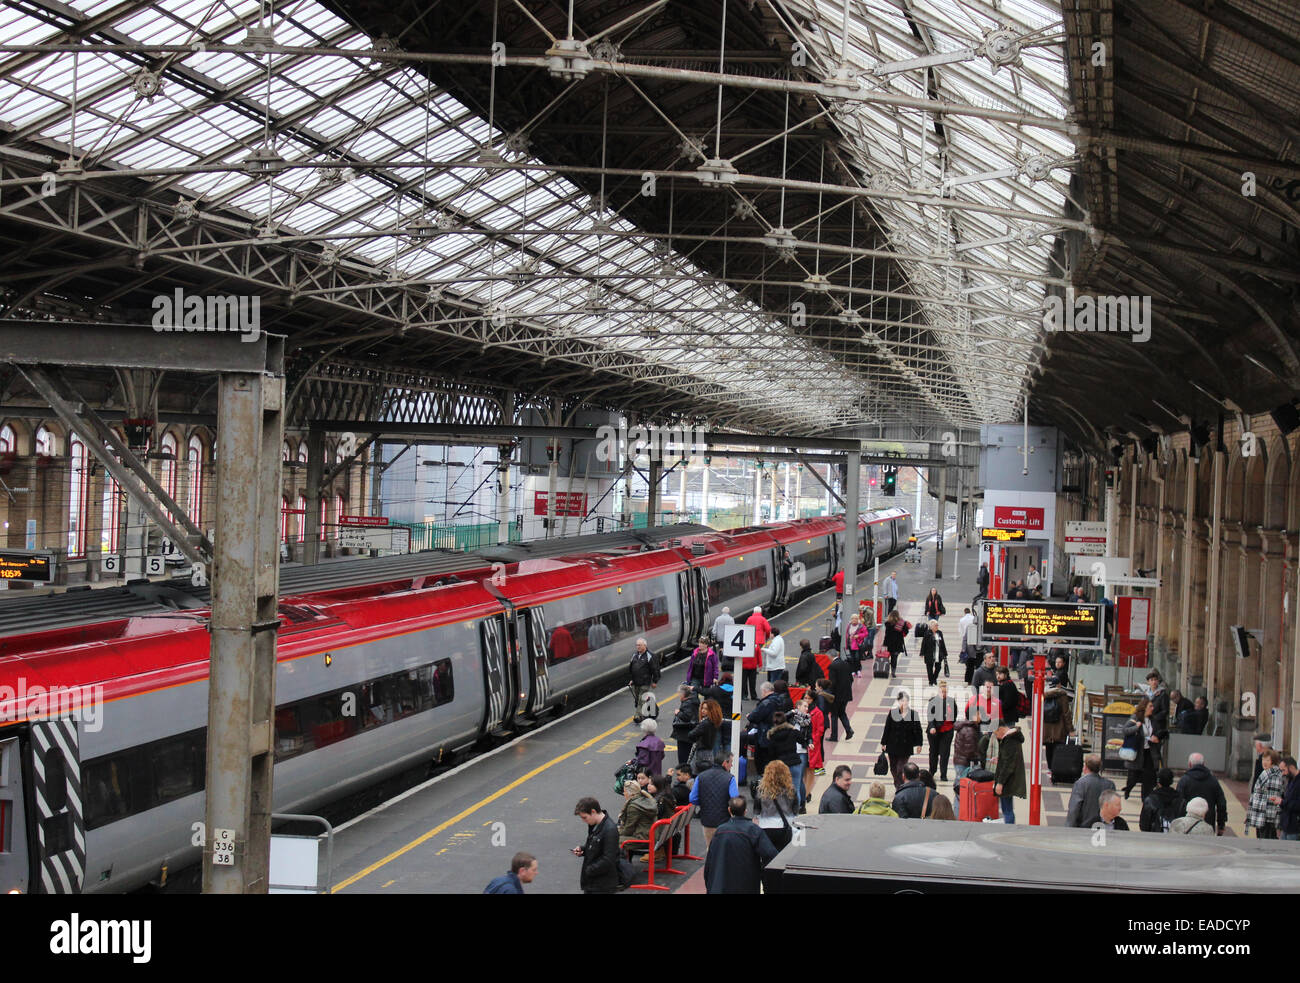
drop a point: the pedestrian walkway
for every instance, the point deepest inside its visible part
(873, 698)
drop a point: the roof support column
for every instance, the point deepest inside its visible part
(652, 496)
(1212, 586)
(851, 492)
(943, 514)
(241, 687)
(503, 473)
(315, 474)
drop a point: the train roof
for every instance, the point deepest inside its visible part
(22, 614)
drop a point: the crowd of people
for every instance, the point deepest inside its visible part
(784, 748)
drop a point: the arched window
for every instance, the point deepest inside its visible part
(339, 510)
(323, 502)
(108, 541)
(79, 477)
(167, 476)
(302, 518)
(194, 460)
(8, 441)
(44, 442)
(286, 452)
(284, 519)
(302, 452)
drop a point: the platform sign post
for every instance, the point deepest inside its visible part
(875, 590)
(1036, 742)
(739, 640)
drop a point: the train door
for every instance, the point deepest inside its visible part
(871, 544)
(52, 782)
(14, 861)
(498, 688)
(694, 595)
(532, 661)
(780, 585)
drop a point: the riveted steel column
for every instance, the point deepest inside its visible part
(943, 515)
(315, 473)
(241, 688)
(851, 492)
(503, 473)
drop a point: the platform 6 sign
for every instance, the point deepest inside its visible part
(1054, 622)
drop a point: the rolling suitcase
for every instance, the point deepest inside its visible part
(977, 802)
(880, 667)
(1067, 764)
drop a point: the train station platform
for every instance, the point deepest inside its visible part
(456, 832)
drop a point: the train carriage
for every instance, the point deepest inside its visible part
(382, 665)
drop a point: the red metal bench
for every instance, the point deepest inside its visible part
(661, 836)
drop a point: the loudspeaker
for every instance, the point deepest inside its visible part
(1287, 417)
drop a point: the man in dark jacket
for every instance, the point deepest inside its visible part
(836, 799)
(1085, 796)
(1108, 815)
(1194, 721)
(760, 718)
(739, 852)
(1008, 696)
(1262, 743)
(1289, 817)
(523, 868)
(982, 580)
(840, 676)
(1159, 712)
(712, 788)
(987, 673)
(909, 799)
(1162, 806)
(1198, 782)
(600, 853)
(940, 720)
(644, 670)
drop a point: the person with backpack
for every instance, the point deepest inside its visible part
(644, 672)
(934, 608)
(1161, 807)
(684, 721)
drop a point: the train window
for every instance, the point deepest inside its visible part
(737, 584)
(814, 557)
(571, 639)
(177, 770)
(106, 785)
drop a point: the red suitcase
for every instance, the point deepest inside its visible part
(977, 802)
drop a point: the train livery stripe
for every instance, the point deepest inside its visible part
(62, 868)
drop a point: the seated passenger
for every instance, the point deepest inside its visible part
(1193, 721)
(875, 803)
(640, 810)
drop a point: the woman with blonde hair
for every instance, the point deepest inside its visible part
(777, 804)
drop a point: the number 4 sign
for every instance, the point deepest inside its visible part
(739, 642)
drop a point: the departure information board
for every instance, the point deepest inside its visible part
(17, 565)
(1002, 535)
(1057, 623)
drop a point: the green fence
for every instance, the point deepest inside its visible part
(465, 536)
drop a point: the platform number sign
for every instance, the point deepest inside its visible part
(223, 848)
(739, 642)
(113, 565)
(154, 566)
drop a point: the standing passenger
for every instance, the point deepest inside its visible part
(720, 625)
(891, 593)
(644, 670)
(901, 738)
(749, 664)
(600, 853)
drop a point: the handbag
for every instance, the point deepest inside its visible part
(1129, 749)
(882, 765)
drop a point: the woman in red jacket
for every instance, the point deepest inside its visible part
(816, 757)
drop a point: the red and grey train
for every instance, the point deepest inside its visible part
(383, 664)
